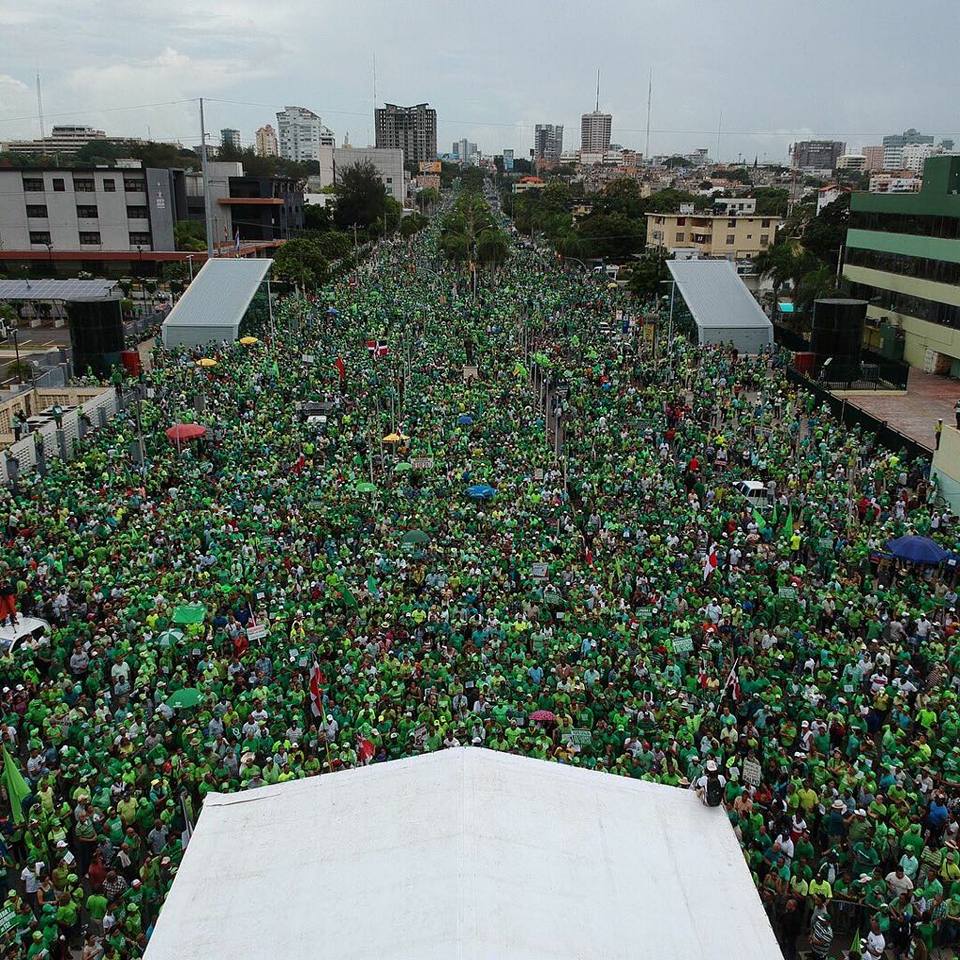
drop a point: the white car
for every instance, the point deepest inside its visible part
(28, 630)
(754, 492)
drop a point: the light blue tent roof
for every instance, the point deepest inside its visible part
(214, 304)
(722, 307)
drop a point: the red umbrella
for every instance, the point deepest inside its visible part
(543, 716)
(185, 431)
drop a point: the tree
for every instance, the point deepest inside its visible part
(677, 161)
(301, 261)
(612, 235)
(317, 217)
(645, 277)
(492, 246)
(190, 235)
(412, 224)
(771, 201)
(361, 197)
(826, 233)
(427, 199)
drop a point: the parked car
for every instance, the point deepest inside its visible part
(29, 630)
(754, 492)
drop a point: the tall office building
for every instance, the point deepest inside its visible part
(548, 142)
(595, 132)
(816, 154)
(266, 140)
(465, 151)
(230, 138)
(411, 129)
(302, 134)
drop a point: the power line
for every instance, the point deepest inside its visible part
(96, 110)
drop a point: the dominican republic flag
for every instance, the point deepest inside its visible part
(317, 680)
(365, 749)
(341, 368)
(710, 562)
(377, 349)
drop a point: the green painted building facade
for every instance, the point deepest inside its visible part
(903, 256)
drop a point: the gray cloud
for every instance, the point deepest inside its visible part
(776, 70)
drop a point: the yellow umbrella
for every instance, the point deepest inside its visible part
(206, 362)
(611, 286)
(248, 341)
(392, 438)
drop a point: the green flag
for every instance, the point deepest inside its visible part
(348, 598)
(758, 517)
(788, 525)
(17, 788)
(373, 587)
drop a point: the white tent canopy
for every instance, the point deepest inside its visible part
(465, 853)
(214, 304)
(722, 307)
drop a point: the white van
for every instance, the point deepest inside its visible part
(754, 492)
(27, 631)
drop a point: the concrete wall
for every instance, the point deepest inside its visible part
(946, 466)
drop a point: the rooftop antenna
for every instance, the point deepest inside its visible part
(649, 99)
(40, 107)
(719, 128)
(597, 110)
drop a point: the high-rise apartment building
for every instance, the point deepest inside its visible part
(411, 129)
(595, 132)
(915, 155)
(230, 138)
(548, 142)
(64, 141)
(817, 154)
(266, 142)
(894, 143)
(874, 158)
(302, 134)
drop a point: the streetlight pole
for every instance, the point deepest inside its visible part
(16, 350)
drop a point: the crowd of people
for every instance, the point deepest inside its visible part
(498, 521)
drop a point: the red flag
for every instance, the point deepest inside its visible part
(298, 465)
(365, 749)
(710, 562)
(341, 368)
(377, 349)
(317, 680)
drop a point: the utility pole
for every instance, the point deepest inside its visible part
(646, 154)
(207, 212)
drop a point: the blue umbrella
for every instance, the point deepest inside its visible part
(481, 491)
(465, 420)
(917, 550)
(332, 311)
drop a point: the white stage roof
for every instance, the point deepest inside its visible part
(466, 854)
(722, 307)
(213, 305)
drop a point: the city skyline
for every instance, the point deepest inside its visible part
(227, 53)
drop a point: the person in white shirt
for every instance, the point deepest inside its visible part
(875, 942)
(898, 881)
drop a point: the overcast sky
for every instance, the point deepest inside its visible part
(777, 71)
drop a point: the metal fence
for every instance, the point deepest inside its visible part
(49, 441)
(850, 415)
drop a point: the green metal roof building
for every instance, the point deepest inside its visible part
(903, 256)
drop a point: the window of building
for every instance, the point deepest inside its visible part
(764, 239)
(134, 186)
(139, 239)
(657, 235)
(749, 236)
(731, 238)
(90, 237)
(33, 184)
(84, 184)
(680, 236)
(88, 213)
(764, 223)
(59, 185)
(109, 185)
(732, 222)
(36, 210)
(40, 236)
(681, 221)
(137, 213)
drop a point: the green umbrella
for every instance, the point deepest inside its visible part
(402, 467)
(189, 613)
(416, 536)
(367, 487)
(169, 638)
(187, 697)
